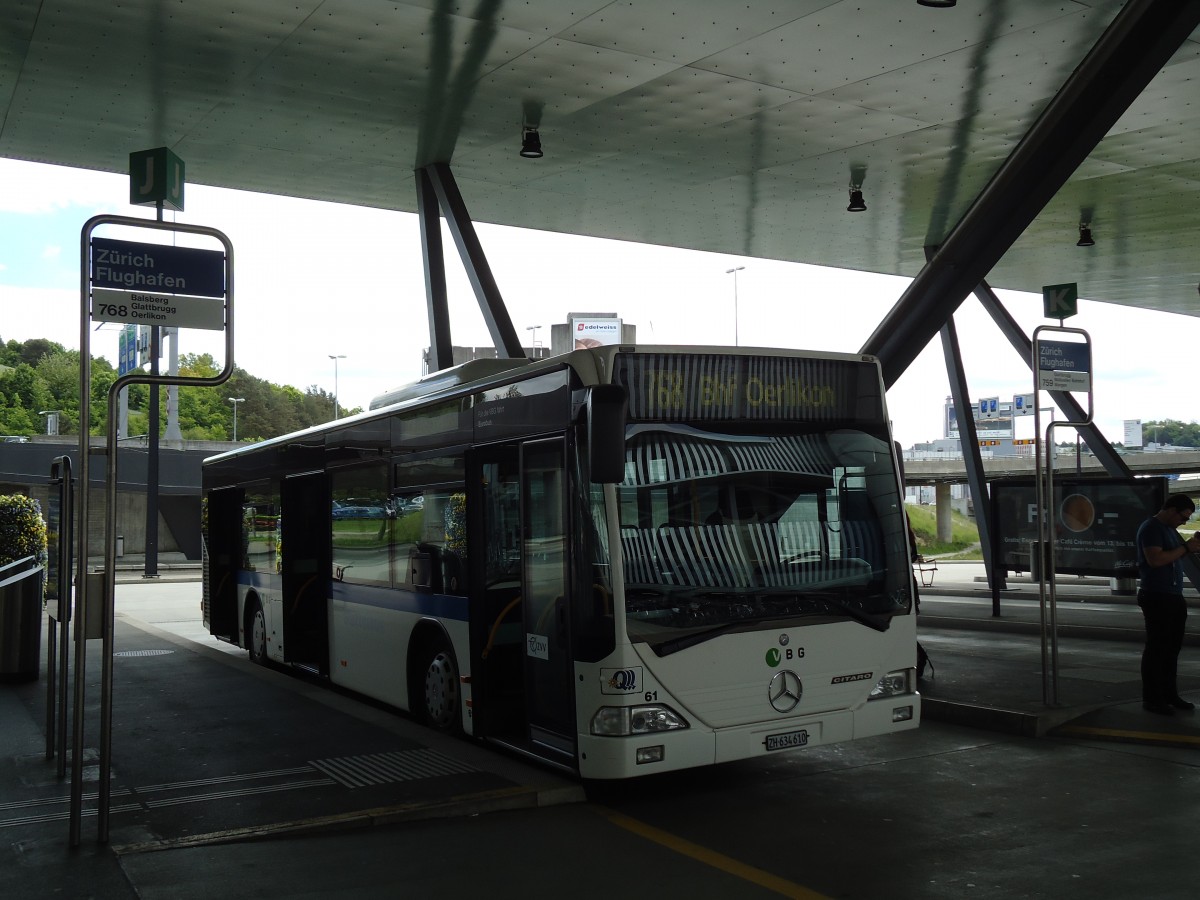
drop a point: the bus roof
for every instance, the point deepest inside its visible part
(593, 365)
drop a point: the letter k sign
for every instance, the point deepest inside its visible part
(1060, 300)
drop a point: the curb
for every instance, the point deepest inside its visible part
(467, 805)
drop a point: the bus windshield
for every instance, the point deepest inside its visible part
(724, 530)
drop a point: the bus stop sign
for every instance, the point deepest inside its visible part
(1060, 300)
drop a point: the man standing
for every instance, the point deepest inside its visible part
(1160, 553)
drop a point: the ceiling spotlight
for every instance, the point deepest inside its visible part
(857, 204)
(937, 4)
(1085, 235)
(531, 144)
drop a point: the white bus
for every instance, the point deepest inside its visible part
(623, 560)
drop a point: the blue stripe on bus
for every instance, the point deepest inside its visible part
(443, 606)
(259, 579)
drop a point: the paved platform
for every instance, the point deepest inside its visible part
(210, 749)
(989, 668)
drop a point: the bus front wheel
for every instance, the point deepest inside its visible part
(257, 633)
(440, 688)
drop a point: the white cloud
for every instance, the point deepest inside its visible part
(36, 188)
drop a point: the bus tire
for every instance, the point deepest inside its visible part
(439, 689)
(256, 633)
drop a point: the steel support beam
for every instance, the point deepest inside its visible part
(1139, 42)
(441, 347)
(508, 345)
(976, 478)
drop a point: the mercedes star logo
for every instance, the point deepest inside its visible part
(785, 691)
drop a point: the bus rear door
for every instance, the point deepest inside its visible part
(304, 565)
(223, 544)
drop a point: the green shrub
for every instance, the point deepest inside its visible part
(964, 534)
(22, 530)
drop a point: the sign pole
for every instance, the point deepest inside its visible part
(1062, 366)
(122, 265)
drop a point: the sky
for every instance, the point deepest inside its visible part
(314, 280)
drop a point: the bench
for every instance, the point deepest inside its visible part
(926, 568)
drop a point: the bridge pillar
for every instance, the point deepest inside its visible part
(941, 500)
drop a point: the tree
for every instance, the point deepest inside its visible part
(22, 394)
(1173, 432)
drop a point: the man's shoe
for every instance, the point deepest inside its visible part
(1180, 703)
(1162, 709)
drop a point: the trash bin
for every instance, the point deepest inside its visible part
(1039, 557)
(1124, 586)
(21, 615)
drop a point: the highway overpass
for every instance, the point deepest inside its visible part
(936, 468)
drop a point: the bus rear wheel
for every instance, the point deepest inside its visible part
(440, 683)
(257, 633)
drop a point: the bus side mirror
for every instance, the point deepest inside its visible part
(607, 406)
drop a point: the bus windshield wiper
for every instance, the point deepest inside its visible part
(666, 648)
(879, 622)
(876, 620)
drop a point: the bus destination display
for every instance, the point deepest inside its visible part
(674, 387)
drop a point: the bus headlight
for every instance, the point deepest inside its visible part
(621, 721)
(893, 684)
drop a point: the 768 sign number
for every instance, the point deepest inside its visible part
(112, 309)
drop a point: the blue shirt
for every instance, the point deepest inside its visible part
(1166, 579)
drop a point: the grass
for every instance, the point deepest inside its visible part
(964, 535)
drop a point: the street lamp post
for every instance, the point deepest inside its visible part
(235, 401)
(734, 272)
(533, 329)
(335, 358)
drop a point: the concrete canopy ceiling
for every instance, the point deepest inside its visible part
(705, 124)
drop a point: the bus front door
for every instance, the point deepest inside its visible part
(549, 671)
(523, 688)
(304, 536)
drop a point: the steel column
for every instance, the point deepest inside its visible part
(441, 347)
(491, 304)
(976, 478)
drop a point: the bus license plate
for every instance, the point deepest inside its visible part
(787, 740)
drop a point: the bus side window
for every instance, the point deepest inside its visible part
(429, 540)
(425, 567)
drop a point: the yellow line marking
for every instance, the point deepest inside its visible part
(711, 858)
(1131, 735)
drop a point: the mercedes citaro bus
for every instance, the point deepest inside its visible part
(622, 560)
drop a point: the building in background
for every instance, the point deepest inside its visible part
(580, 330)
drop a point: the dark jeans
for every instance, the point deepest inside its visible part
(1165, 616)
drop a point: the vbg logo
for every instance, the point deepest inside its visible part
(773, 657)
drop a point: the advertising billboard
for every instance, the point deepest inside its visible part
(1133, 432)
(595, 332)
(1095, 523)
